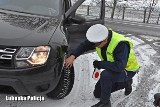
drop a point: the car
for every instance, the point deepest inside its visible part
(36, 36)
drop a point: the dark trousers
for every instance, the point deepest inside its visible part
(109, 82)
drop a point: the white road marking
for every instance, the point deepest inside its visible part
(157, 44)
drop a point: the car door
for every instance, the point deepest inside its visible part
(92, 12)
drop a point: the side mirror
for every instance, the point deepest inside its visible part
(77, 19)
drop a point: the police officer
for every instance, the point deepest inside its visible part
(117, 60)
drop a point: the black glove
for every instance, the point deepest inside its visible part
(157, 100)
(96, 64)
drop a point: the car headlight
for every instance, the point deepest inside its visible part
(32, 56)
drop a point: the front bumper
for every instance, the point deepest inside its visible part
(32, 81)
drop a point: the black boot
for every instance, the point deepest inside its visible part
(128, 87)
(157, 100)
(100, 104)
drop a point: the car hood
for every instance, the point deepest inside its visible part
(26, 30)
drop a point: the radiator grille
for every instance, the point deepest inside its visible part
(7, 56)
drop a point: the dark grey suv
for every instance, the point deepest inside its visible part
(35, 38)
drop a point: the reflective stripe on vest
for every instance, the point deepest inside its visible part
(132, 64)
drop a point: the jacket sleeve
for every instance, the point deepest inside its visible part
(83, 47)
(121, 54)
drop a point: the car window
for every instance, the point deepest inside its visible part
(89, 9)
(44, 7)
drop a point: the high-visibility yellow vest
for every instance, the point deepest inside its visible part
(132, 64)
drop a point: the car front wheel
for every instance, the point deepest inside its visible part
(65, 84)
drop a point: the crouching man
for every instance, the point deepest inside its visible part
(117, 58)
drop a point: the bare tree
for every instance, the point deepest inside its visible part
(151, 8)
(158, 19)
(139, 5)
(145, 5)
(124, 9)
(144, 15)
(157, 8)
(113, 9)
(122, 6)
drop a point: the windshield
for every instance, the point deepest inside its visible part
(44, 7)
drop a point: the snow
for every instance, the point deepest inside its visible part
(136, 41)
(145, 83)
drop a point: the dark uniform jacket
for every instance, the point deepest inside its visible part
(121, 54)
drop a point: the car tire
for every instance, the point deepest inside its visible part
(65, 84)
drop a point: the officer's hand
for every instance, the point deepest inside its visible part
(69, 61)
(96, 64)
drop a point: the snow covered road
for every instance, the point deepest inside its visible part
(145, 85)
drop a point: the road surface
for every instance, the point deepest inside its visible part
(134, 27)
